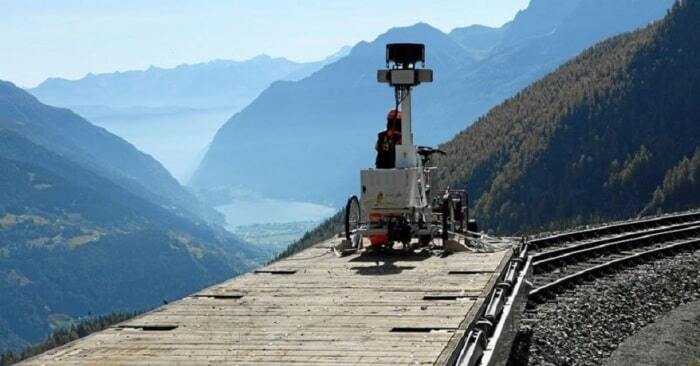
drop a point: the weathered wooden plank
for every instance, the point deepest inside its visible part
(312, 308)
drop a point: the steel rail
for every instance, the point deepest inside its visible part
(615, 228)
(630, 235)
(587, 249)
(540, 292)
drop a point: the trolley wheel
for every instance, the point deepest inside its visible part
(425, 240)
(448, 216)
(352, 216)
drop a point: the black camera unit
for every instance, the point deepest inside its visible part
(405, 55)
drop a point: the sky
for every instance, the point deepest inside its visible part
(70, 38)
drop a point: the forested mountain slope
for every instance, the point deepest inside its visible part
(595, 139)
(74, 243)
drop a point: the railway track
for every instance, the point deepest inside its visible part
(560, 268)
(568, 267)
(610, 231)
(560, 260)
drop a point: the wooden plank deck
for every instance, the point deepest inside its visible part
(310, 309)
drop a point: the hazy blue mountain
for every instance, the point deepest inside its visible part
(173, 114)
(536, 43)
(66, 133)
(307, 140)
(309, 68)
(479, 40)
(73, 242)
(215, 84)
(540, 19)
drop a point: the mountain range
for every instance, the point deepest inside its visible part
(319, 131)
(215, 84)
(90, 225)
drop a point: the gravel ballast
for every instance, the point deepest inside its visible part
(584, 325)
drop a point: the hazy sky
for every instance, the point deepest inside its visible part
(69, 38)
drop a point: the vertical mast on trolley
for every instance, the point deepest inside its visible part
(402, 75)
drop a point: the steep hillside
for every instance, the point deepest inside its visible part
(66, 133)
(595, 139)
(299, 130)
(681, 186)
(73, 243)
(220, 83)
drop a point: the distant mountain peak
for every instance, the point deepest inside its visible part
(264, 56)
(420, 28)
(475, 28)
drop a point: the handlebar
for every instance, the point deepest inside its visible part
(428, 151)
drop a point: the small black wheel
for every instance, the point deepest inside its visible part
(352, 216)
(448, 216)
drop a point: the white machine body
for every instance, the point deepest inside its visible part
(406, 156)
(389, 190)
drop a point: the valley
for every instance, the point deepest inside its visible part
(178, 138)
(274, 237)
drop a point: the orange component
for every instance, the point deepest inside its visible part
(378, 239)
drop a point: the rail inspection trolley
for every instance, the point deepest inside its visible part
(396, 205)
